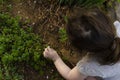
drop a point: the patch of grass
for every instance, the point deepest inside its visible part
(118, 0)
(6, 6)
(62, 35)
(8, 73)
(18, 46)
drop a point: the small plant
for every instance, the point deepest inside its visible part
(6, 5)
(118, 0)
(8, 73)
(66, 19)
(62, 35)
(18, 46)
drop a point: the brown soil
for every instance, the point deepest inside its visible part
(46, 17)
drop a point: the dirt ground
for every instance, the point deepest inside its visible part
(46, 17)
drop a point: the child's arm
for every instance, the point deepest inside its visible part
(64, 70)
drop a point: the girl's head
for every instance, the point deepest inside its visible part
(94, 32)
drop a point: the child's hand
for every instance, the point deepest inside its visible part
(50, 53)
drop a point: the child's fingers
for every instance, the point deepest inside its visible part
(50, 48)
(45, 54)
(46, 49)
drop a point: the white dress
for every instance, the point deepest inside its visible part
(93, 68)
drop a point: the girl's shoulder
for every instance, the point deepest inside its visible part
(90, 67)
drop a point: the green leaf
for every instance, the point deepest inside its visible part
(118, 0)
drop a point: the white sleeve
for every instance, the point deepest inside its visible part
(92, 68)
(117, 27)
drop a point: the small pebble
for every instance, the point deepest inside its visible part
(52, 70)
(18, 12)
(26, 17)
(35, 2)
(33, 23)
(47, 77)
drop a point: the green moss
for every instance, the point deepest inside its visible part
(18, 46)
(62, 35)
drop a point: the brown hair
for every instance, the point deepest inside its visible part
(93, 31)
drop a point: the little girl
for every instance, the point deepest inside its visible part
(91, 31)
